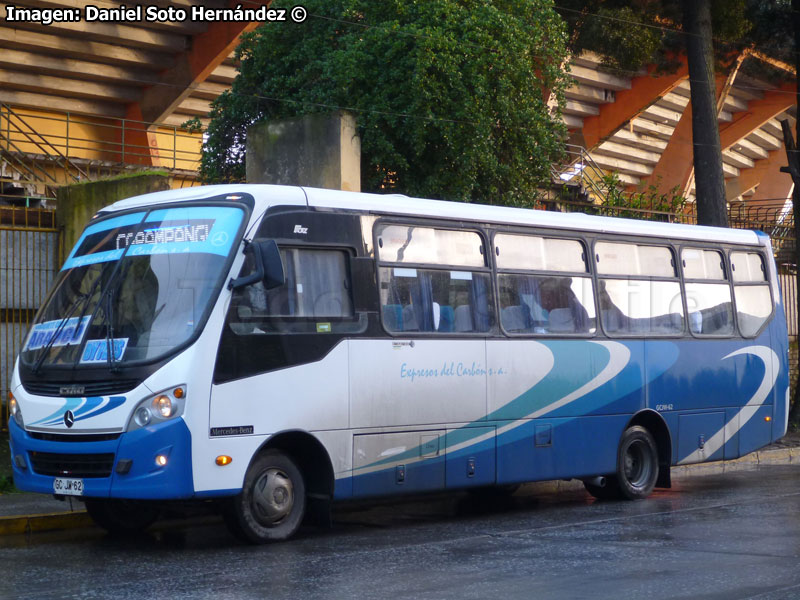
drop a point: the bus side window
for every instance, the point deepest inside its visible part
(428, 300)
(639, 290)
(751, 291)
(317, 288)
(708, 292)
(542, 303)
(437, 280)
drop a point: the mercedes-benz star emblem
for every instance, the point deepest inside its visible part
(69, 418)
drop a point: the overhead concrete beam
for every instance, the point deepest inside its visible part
(758, 114)
(673, 101)
(72, 105)
(626, 152)
(65, 87)
(195, 107)
(17, 39)
(208, 51)
(581, 109)
(749, 149)
(740, 161)
(177, 119)
(571, 121)
(623, 166)
(766, 174)
(209, 90)
(112, 33)
(73, 68)
(763, 139)
(643, 92)
(182, 27)
(224, 74)
(659, 114)
(651, 128)
(590, 93)
(598, 78)
(639, 140)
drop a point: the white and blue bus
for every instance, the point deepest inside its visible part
(276, 349)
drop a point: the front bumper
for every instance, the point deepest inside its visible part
(98, 463)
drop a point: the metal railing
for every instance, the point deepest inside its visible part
(48, 150)
(580, 169)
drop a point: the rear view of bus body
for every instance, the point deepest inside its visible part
(280, 348)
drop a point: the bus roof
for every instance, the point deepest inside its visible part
(272, 195)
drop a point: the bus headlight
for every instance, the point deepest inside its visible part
(163, 406)
(158, 408)
(14, 410)
(142, 416)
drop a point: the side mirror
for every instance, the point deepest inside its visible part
(268, 266)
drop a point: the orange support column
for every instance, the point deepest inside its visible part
(766, 174)
(138, 146)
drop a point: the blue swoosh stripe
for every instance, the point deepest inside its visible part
(561, 381)
(113, 402)
(70, 404)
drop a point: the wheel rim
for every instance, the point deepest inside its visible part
(637, 464)
(273, 497)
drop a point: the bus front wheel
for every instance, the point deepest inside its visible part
(272, 502)
(637, 468)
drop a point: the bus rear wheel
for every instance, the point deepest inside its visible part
(272, 502)
(637, 468)
(122, 517)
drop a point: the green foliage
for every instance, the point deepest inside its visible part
(646, 203)
(618, 33)
(449, 95)
(193, 125)
(7, 484)
(630, 35)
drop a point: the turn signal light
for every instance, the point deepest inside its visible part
(223, 460)
(768, 419)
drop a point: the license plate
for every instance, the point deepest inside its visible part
(68, 487)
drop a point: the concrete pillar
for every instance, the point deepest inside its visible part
(76, 204)
(321, 150)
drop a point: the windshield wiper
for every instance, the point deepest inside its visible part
(109, 310)
(72, 307)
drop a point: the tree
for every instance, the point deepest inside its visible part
(450, 96)
(633, 34)
(709, 178)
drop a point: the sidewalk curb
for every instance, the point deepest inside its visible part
(24, 524)
(44, 522)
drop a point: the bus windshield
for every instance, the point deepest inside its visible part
(134, 288)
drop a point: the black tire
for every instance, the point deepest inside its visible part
(637, 468)
(122, 517)
(272, 502)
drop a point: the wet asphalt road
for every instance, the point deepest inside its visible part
(715, 536)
